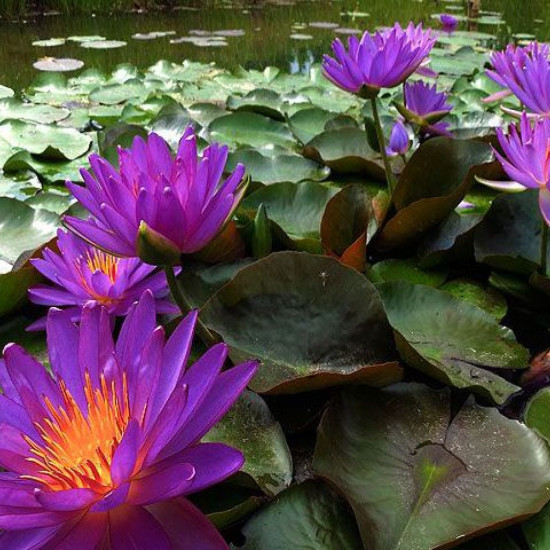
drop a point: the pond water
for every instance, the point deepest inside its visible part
(286, 34)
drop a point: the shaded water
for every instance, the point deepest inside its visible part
(267, 32)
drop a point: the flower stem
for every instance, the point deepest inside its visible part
(543, 247)
(179, 297)
(381, 142)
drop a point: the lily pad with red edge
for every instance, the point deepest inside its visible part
(451, 340)
(311, 321)
(419, 476)
(434, 181)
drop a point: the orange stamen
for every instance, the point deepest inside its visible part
(78, 447)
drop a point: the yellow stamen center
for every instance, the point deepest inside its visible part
(78, 447)
(99, 261)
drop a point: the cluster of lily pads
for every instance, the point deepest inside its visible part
(400, 403)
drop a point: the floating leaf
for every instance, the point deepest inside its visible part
(279, 168)
(250, 426)
(296, 209)
(433, 183)
(452, 340)
(49, 142)
(509, 235)
(311, 321)
(62, 64)
(309, 515)
(405, 270)
(44, 114)
(345, 151)
(103, 44)
(419, 478)
(49, 43)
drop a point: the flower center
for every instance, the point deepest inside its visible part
(79, 446)
(99, 261)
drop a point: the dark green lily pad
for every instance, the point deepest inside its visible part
(309, 515)
(250, 427)
(508, 238)
(279, 168)
(296, 209)
(537, 530)
(243, 128)
(119, 93)
(434, 181)
(452, 340)
(345, 151)
(312, 322)
(537, 413)
(419, 478)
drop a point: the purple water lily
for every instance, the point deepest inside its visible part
(425, 107)
(82, 273)
(381, 60)
(526, 157)
(524, 72)
(399, 140)
(155, 206)
(449, 22)
(102, 453)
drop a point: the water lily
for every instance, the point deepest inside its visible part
(399, 140)
(155, 206)
(81, 273)
(381, 60)
(425, 107)
(101, 453)
(449, 22)
(524, 72)
(526, 157)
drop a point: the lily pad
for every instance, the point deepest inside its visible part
(86, 38)
(312, 322)
(252, 129)
(309, 515)
(418, 477)
(278, 168)
(250, 427)
(537, 530)
(61, 64)
(49, 142)
(44, 114)
(296, 209)
(49, 43)
(345, 151)
(434, 181)
(405, 270)
(452, 340)
(509, 236)
(308, 123)
(103, 44)
(171, 122)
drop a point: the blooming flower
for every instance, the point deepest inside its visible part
(449, 22)
(82, 273)
(157, 207)
(525, 73)
(380, 60)
(399, 140)
(100, 454)
(526, 157)
(425, 106)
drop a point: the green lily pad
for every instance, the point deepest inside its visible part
(119, 93)
(6, 92)
(103, 44)
(475, 293)
(508, 238)
(279, 168)
(250, 426)
(418, 477)
(44, 114)
(537, 413)
(434, 181)
(296, 209)
(261, 100)
(244, 128)
(537, 530)
(345, 151)
(49, 142)
(50, 170)
(308, 123)
(309, 515)
(49, 43)
(85, 38)
(452, 340)
(171, 122)
(19, 185)
(324, 324)
(405, 270)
